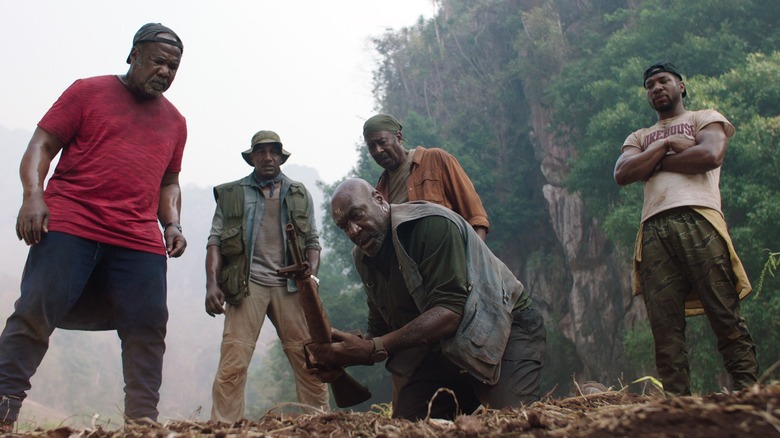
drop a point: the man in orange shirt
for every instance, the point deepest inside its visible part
(421, 174)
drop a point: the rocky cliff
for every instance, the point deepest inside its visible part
(587, 295)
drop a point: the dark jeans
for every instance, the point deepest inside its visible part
(519, 381)
(57, 272)
(682, 252)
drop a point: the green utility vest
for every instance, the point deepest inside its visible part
(235, 247)
(479, 343)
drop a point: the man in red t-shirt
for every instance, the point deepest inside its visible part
(97, 259)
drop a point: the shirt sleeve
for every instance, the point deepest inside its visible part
(633, 141)
(174, 166)
(705, 117)
(215, 235)
(436, 245)
(312, 237)
(462, 195)
(64, 118)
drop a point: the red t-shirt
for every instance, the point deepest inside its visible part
(106, 186)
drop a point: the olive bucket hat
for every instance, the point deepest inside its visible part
(263, 137)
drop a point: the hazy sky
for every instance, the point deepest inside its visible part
(299, 67)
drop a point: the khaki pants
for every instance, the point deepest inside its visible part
(242, 328)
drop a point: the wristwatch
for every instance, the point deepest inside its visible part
(379, 353)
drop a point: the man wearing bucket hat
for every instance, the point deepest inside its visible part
(97, 258)
(246, 245)
(685, 263)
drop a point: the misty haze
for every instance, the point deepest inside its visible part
(81, 375)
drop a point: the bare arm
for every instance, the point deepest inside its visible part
(433, 325)
(441, 262)
(33, 218)
(313, 257)
(169, 211)
(706, 154)
(636, 165)
(347, 349)
(215, 298)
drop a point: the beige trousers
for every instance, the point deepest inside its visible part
(242, 328)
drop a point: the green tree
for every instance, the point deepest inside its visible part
(729, 56)
(472, 79)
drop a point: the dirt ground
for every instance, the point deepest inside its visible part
(750, 413)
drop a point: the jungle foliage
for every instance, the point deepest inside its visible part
(468, 79)
(728, 53)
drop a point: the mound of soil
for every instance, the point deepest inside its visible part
(754, 412)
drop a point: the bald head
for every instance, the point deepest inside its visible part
(354, 189)
(362, 213)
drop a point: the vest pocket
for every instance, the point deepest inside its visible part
(232, 241)
(230, 281)
(481, 326)
(297, 207)
(301, 220)
(479, 343)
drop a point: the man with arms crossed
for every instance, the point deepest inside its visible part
(685, 263)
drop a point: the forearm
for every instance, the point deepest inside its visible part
(349, 349)
(213, 265)
(169, 210)
(693, 160)
(36, 161)
(703, 153)
(634, 165)
(433, 325)
(313, 257)
(33, 171)
(215, 298)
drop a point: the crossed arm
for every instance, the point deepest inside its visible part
(702, 155)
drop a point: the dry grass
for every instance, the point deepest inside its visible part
(754, 412)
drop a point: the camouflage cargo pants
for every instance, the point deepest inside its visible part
(682, 252)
